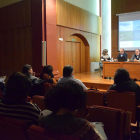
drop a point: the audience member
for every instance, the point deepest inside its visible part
(63, 100)
(47, 75)
(14, 104)
(135, 57)
(122, 82)
(2, 87)
(28, 71)
(122, 54)
(68, 76)
(104, 57)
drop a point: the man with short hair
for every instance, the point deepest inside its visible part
(28, 71)
(135, 57)
(122, 54)
(68, 75)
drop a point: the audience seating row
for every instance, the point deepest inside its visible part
(116, 125)
(12, 129)
(125, 100)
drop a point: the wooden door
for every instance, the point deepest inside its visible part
(73, 55)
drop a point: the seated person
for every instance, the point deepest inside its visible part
(2, 87)
(47, 75)
(28, 71)
(104, 57)
(14, 104)
(122, 54)
(122, 82)
(68, 75)
(63, 100)
(135, 57)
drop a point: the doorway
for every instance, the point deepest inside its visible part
(73, 55)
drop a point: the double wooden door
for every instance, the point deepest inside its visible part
(73, 55)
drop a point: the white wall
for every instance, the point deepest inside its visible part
(88, 5)
(106, 26)
(4, 3)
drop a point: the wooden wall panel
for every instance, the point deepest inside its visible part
(72, 16)
(92, 50)
(15, 37)
(117, 7)
(17, 15)
(15, 50)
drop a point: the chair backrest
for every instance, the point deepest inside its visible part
(81, 113)
(12, 129)
(95, 97)
(39, 133)
(113, 120)
(39, 100)
(122, 100)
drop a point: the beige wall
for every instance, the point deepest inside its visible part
(4, 3)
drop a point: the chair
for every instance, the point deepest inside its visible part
(82, 113)
(122, 100)
(39, 133)
(12, 129)
(95, 97)
(39, 100)
(114, 121)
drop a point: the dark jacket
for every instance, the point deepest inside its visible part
(128, 85)
(124, 55)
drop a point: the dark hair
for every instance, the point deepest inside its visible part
(68, 95)
(67, 70)
(48, 69)
(17, 87)
(121, 75)
(26, 68)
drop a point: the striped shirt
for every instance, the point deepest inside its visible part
(24, 111)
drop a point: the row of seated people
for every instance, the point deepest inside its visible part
(63, 100)
(122, 80)
(19, 85)
(135, 57)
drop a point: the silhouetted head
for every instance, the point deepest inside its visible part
(17, 87)
(27, 70)
(67, 71)
(48, 69)
(121, 75)
(69, 95)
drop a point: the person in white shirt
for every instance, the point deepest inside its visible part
(68, 75)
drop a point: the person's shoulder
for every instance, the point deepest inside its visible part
(60, 79)
(113, 87)
(32, 106)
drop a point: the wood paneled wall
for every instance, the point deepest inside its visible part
(93, 42)
(15, 37)
(72, 16)
(117, 7)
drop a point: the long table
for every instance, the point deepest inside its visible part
(133, 68)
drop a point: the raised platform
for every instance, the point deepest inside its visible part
(94, 79)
